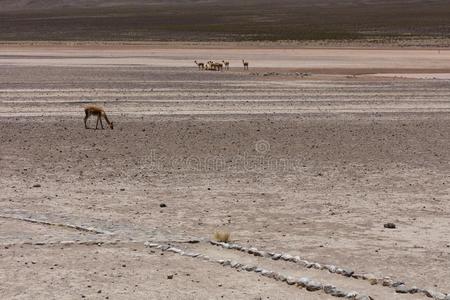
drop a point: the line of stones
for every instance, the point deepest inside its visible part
(85, 243)
(303, 282)
(399, 286)
(76, 227)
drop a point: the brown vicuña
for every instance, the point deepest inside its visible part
(93, 110)
(245, 63)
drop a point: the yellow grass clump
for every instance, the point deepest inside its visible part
(222, 236)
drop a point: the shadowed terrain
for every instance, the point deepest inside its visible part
(222, 20)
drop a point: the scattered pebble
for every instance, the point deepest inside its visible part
(162, 205)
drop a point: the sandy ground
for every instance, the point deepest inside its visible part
(309, 165)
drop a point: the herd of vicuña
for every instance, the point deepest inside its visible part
(217, 66)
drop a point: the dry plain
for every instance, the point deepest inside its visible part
(309, 153)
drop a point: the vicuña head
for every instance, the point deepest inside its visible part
(93, 110)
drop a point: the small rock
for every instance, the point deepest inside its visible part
(390, 226)
(290, 280)
(434, 295)
(351, 295)
(329, 288)
(314, 286)
(317, 266)
(331, 268)
(280, 277)
(169, 276)
(249, 268)
(276, 256)
(252, 250)
(338, 293)
(397, 283)
(266, 273)
(303, 281)
(162, 205)
(37, 185)
(363, 297)
(286, 257)
(347, 272)
(402, 289)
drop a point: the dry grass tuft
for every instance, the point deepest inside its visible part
(222, 236)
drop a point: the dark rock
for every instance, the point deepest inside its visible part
(169, 276)
(37, 185)
(162, 205)
(390, 226)
(402, 289)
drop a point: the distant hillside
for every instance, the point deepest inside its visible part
(194, 20)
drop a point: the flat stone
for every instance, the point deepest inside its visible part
(249, 268)
(347, 272)
(317, 266)
(402, 289)
(260, 253)
(434, 294)
(252, 250)
(286, 257)
(303, 262)
(387, 281)
(72, 242)
(150, 245)
(313, 286)
(266, 273)
(303, 281)
(259, 270)
(280, 277)
(290, 280)
(331, 268)
(329, 288)
(174, 250)
(338, 293)
(236, 247)
(351, 295)
(397, 283)
(226, 263)
(276, 256)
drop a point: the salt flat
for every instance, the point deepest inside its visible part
(309, 164)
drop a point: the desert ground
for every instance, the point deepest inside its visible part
(309, 153)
